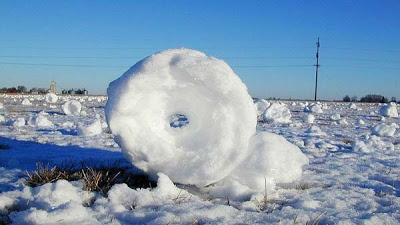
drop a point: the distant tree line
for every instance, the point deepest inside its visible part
(369, 98)
(22, 89)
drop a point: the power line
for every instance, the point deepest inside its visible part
(116, 66)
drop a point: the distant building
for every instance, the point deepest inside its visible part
(53, 87)
(74, 91)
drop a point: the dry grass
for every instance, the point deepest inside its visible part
(98, 178)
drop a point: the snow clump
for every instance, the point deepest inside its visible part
(313, 108)
(42, 121)
(272, 157)
(389, 110)
(26, 102)
(352, 105)
(20, 122)
(261, 105)
(277, 113)
(308, 118)
(51, 98)
(72, 107)
(90, 130)
(384, 129)
(188, 116)
(335, 117)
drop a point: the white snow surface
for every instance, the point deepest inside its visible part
(277, 113)
(72, 107)
(148, 102)
(352, 176)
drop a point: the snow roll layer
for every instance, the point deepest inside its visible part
(182, 113)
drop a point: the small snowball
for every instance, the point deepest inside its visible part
(383, 130)
(26, 102)
(72, 107)
(2, 119)
(360, 122)
(308, 118)
(352, 105)
(51, 98)
(313, 108)
(389, 110)
(335, 117)
(90, 130)
(277, 113)
(261, 105)
(20, 122)
(42, 121)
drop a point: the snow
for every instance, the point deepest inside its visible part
(42, 121)
(384, 129)
(308, 118)
(51, 98)
(352, 176)
(389, 110)
(335, 117)
(261, 106)
(277, 113)
(313, 108)
(72, 107)
(91, 129)
(218, 116)
(26, 102)
(352, 105)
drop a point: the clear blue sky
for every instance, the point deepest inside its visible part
(269, 44)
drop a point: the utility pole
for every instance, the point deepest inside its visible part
(316, 71)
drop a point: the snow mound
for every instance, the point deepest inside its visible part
(308, 118)
(72, 107)
(2, 119)
(261, 105)
(1, 105)
(335, 117)
(51, 98)
(384, 129)
(315, 131)
(26, 102)
(42, 121)
(389, 110)
(272, 158)
(182, 113)
(352, 105)
(91, 129)
(19, 122)
(313, 108)
(370, 144)
(277, 113)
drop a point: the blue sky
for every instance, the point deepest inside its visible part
(269, 44)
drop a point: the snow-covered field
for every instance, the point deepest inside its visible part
(353, 176)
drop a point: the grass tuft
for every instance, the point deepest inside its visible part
(98, 178)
